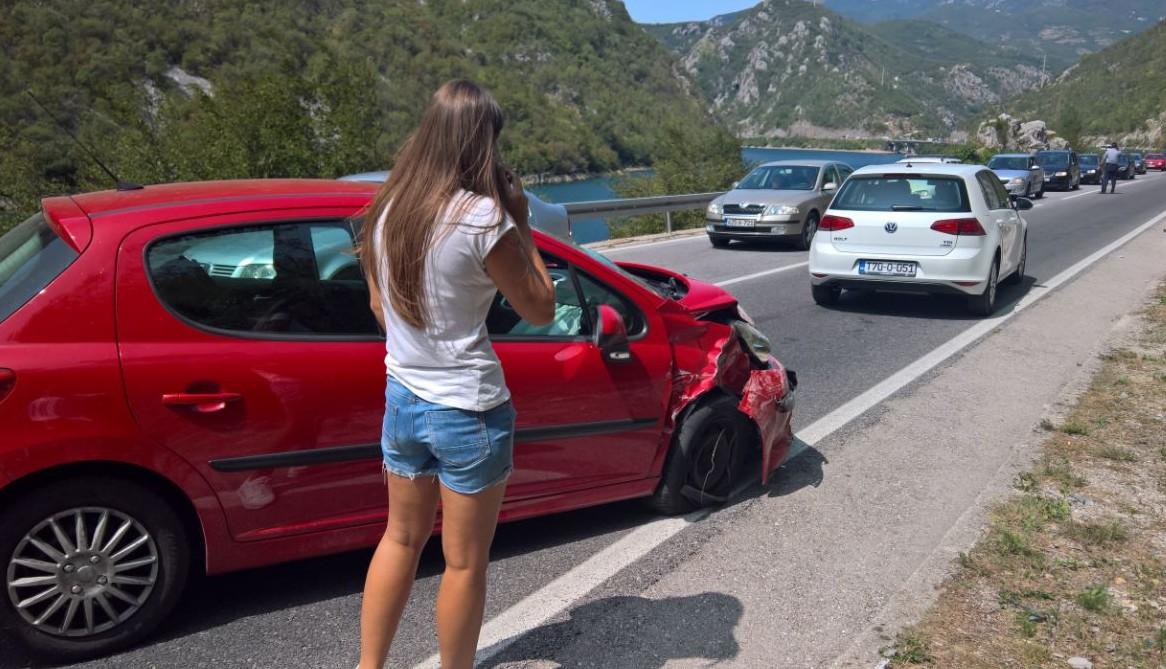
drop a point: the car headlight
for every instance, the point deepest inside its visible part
(714, 210)
(780, 210)
(257, 271)
(757, 343)
(1016, 181)
(1062, 174)
(1092, 172)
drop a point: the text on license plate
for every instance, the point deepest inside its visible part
(739, 222)
(886, 267)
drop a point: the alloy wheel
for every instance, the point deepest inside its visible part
(82, 572)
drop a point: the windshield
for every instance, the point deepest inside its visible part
(31, 255)
(780, 177)
(1089, 160)
(902, 193)
(1154, 156)
(1008, 163)
(1058, 161)
(611, 263)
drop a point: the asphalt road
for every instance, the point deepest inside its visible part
(305, 614)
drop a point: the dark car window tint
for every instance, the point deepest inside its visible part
(296, 280)
(1008, 163)
(31, 256)
(988, 184)
(780, 177)
(903, 193)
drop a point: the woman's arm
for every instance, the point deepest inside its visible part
(515, 265)
(374, 301)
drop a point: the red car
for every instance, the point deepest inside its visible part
(1156, 161)
(191, 379)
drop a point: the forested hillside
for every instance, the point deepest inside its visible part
(1119, 92)
(196, 89)
(788, 67)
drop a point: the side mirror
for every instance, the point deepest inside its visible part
(611, 334)
(1021, 203)
(829, 186)
(734, 185)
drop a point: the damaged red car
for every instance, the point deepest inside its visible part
(191, 379)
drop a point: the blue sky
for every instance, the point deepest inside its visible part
(667, 11)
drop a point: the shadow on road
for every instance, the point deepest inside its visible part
(762, 245)
(909, 305)
(633, 632)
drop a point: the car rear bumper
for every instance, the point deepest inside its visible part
(963, 271)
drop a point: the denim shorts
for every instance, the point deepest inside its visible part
(468, 451)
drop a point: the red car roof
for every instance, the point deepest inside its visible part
(178, 194)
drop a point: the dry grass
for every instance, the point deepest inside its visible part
(1075, 563)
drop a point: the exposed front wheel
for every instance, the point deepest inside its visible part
(984, 304)
(808, 230)
(91, 565)
(707, 457)
(826, 296)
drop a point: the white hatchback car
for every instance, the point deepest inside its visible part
(926, 228)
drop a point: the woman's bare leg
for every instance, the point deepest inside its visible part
(467, 530)
(412, 507)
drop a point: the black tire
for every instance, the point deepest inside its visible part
(167, 545)
(826, 296)
(718, 242)
(1016, 277)
(707, 457)
(984, 304)
(809, 229)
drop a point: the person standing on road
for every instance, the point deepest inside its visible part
(447, 230)
(1109, 165)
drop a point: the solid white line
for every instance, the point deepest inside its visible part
(558, 595)
(757, 275)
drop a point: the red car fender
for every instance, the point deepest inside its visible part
(713, 357)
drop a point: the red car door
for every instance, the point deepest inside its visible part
(248, 348)
(583, 421)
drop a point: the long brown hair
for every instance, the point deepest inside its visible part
(455, 147)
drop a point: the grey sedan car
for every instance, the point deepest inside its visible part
(779, 200)
(1020, 173)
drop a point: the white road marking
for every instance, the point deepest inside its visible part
(757, 275)
(558, 595)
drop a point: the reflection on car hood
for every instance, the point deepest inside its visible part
(766, 197)
(1011, 174)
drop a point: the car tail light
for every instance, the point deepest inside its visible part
(7, 381)
(965, 227)
(831, 222)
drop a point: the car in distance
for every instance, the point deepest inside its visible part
(1139, 163)
(778, 200)
(1090, 164)
(1020, 173)
(218, 421)
(1062, 169)
(950, 229)
(1156, 161)
(1126, 169)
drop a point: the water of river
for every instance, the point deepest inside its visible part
(600, 188)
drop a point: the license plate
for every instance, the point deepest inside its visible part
(740, 223)
(886, 267)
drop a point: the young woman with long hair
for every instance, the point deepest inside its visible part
(447, 230)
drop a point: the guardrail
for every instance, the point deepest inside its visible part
(636, 206)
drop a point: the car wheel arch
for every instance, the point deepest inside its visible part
(156, 483)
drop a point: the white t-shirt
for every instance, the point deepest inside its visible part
(1111, 156)
(451, 361)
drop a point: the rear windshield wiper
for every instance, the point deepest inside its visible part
(906, 207)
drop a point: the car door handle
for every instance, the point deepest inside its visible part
(201, 402)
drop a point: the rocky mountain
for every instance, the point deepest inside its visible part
(1116, 94)
(788, 67)
(1064, 30)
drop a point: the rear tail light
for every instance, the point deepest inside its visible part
(830, 222)
(7, 381)
(964, 227)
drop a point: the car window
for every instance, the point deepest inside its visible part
(291, 279)
(988, 185)
(576, 297)
(780, 177)
(894, 192)
(31, 256)
(832, 176)
(1008, 163)
(844, 173)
